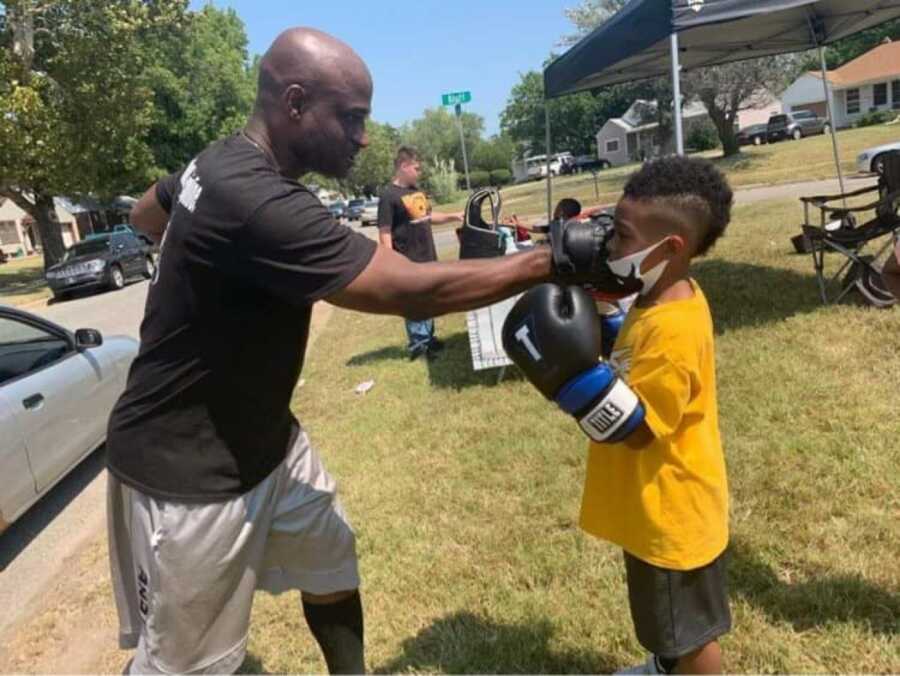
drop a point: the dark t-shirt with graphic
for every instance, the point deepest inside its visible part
(406, 212)
(206, 411)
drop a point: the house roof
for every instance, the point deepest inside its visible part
(692, 109)
(879, 63)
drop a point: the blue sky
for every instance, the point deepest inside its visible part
(418, 50)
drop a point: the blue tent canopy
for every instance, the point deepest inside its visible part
(634, 43)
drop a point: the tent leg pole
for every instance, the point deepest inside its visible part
(828, 107)
(676, 94)
(549, 150)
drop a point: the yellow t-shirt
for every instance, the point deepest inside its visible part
(664, 498)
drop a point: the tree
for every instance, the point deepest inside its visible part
(588, 15)
(203, 84)
(728, 89)
(574, 119)
(435, 135)
(494, 153)
(74, 108)
(375, 165)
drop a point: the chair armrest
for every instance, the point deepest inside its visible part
(819, 200)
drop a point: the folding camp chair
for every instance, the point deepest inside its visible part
(839, 232)
(477, 237)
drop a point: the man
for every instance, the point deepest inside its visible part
(214, 490)
(405, 218)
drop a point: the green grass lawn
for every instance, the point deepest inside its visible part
(785, 162)
(465, 493)
(22, 281)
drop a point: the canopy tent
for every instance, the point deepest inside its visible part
(649, 38)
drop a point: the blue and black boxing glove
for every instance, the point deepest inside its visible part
(553, 334)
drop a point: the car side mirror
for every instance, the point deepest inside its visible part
(87, 338)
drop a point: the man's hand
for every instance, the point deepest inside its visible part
(440, 217)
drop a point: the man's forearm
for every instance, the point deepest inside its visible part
(439, 217)
(469, 284)
(148, 215)
(385, 238)
(391, 284)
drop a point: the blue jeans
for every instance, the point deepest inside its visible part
(420, 333)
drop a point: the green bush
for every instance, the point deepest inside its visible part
(501, 177)
(442, 180)
(702, 136)
(478, 178)
(874, 117)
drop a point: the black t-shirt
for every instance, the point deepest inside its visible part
(206, 411)
(407, 213)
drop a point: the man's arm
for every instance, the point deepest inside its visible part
(891, 272)
(384, 236)
(441, 217)
(149, 216)
(392, 284)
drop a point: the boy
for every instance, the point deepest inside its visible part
(661, 494)
(655, 480)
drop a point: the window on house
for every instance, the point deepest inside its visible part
(852, 101)
(895, 94)
(612, 146)
(8, 233)
(879, 94)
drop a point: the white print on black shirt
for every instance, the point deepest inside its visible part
(190, 187)
(190, 193)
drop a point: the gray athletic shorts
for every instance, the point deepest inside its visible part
(184, 573)
(677, 611)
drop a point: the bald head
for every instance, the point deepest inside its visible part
(312, 103)
(313, 59)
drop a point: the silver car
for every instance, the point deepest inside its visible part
(872, 159)
(57, 389)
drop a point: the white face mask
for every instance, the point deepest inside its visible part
(628, 268)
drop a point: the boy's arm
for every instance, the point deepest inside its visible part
(385, 221)
(664, 388)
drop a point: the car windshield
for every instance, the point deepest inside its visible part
(357, 203)
(778, 119)
(371, 203)
(338, 205)
(803, 115)
(87, 247)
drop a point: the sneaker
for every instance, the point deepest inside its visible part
(418, 351)
(651, 666)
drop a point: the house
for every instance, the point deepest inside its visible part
(19, 234)
(625, 139)
(868, 83)
(628, 138)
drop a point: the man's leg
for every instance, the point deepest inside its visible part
(420, 334)
(336, 622)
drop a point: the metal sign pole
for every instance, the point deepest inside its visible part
(462, 142)
(676, 94)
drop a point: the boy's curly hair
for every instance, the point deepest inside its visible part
(691, 186)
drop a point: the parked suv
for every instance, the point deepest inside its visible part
(103, 261)
(795, 125)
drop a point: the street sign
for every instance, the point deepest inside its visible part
(455, 98)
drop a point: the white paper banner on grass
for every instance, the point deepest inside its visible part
(485, 327)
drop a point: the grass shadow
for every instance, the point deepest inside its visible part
(453, 367)
(823, 600)
(252, 665)
(388, 353)
(747, 294)
(463, 642)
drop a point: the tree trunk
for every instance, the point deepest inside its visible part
(20, 16)
(724, 127)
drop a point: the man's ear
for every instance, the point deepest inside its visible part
(295, 98)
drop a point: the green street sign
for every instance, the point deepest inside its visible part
(455, 98)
